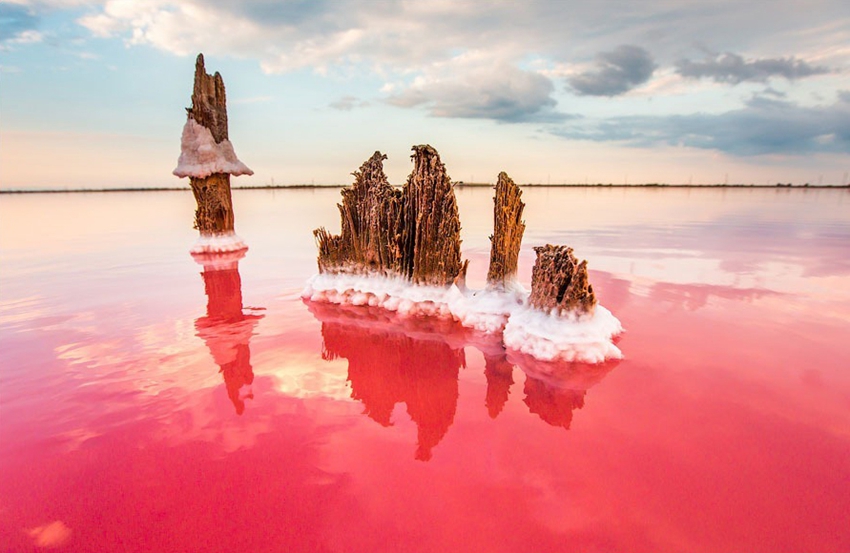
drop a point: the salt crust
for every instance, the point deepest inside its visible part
(542, 335)
(201, 156)
(218, 244)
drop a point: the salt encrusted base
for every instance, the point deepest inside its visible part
(218, 244)
(526, 330)
(550, 337)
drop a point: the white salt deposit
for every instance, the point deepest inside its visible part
(550, 337)
(218, 244)
(201, 156)
(541, 335)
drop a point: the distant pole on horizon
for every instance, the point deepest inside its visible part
(844, 182)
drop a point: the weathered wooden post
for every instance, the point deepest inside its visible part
(559, 283)
(208, 159)
(431, 231)
(508, 228)
(413, 233)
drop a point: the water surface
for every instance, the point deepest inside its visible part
(149, 403)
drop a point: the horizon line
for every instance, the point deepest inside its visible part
(457, 184)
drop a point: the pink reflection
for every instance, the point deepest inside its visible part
(226, 329)
(386, 367)
(415, 361)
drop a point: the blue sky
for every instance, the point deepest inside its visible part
(92, 93)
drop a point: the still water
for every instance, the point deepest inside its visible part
(150, 403)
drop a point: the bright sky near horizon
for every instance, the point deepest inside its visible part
(671, 91)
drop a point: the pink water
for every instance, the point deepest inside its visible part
(148, 403)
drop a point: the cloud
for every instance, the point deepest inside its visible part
(762, 126)
(16, 23)
(470, 87)
(616, 73)
(733, 69)
(348, 103)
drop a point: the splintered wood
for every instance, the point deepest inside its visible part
(413, 233)
(508, 228)
(214, 214)
(431, 233)
(560, 283)
(370, 237)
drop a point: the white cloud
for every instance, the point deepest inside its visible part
(27, 37)
(473, 85)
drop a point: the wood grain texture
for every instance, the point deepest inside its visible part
(214, 214)
(560, 283)
(508, 228)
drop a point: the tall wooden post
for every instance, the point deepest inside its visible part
(508, 228)
(208, 159)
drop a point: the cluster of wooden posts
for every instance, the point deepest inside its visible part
(411, 232)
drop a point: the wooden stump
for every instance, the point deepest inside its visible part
(214, 214)
(370, 220)
(508, 228)
(413, 233)
(431, 232)
(560, 283)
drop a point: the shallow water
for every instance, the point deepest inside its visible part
(148, 403)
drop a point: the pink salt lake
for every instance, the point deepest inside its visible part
(148, 403)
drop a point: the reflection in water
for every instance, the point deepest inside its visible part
(499, 373)
(554, 390)
(387, 366)
(416, 361)
(226, 329)
(553, 405)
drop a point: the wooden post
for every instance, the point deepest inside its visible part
(413, 233)
(508, 228)
(560, 283)
(431, 232)
(207, 156)
(370, 215)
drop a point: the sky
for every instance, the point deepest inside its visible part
(92, 93)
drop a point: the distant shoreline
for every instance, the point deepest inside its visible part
(457, 185)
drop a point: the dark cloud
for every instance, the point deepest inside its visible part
(762, 126)
(348, 103)
(618, 72)
(504, 93)
(734, 69)
(15, 20)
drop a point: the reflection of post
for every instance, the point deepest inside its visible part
(226, 329)
(499, 373)
(553, 390)
(553, 405)
(386, 367)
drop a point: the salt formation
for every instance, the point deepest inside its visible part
(400, 250)
(208, 159)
